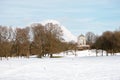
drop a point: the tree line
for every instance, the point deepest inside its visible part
(109, 41)
(33, 40)
(46, 40)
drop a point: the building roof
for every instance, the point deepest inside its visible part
(81, 35)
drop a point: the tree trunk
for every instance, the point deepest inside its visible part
(96, 53)
(39, 56)
(0, 58)
(102, 52)
(106, 53)
(51, 55)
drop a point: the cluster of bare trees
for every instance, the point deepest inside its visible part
(108, 41)
(36, 39)
(14, 42)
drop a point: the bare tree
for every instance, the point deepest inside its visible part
(5, 42)
(54, 34)
(38, 40)
(90, 38)
(21, 43)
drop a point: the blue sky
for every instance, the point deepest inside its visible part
(79, 16)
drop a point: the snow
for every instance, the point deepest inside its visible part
(67, 35)
(85, 66)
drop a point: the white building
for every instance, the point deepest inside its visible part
(81, 42)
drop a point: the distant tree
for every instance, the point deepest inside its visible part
(5, 42)
(54, 38)
(72, 46)
(90, 38)
(38, 39)
(116, 41)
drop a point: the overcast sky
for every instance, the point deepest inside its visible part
(79, 16)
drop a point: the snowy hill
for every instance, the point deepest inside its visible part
(67, 35)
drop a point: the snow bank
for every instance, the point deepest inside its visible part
(82, 67)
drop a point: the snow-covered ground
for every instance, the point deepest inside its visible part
(85, 66)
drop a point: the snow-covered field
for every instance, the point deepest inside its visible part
(85, 66)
